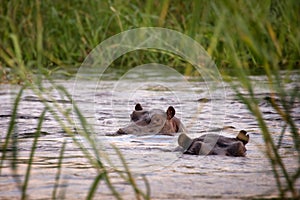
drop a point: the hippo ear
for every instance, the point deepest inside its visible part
(170, 112)
(138, 107)
(243, 137)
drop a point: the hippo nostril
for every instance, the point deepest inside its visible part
(121, 132)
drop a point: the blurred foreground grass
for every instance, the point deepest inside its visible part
(243, 37)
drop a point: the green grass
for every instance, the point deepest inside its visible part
(243, 37)
(58, 35)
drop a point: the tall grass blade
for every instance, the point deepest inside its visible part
(11, 128)
(130, 179)
(59, 167)
(32, 151)
(95, 185)
(163, 12)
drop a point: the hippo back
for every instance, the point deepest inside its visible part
(213, 144)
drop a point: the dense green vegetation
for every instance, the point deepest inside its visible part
(243, 37)
(47, 36)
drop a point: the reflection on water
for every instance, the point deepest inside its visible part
(171, 174)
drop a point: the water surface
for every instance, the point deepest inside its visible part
(172, 175)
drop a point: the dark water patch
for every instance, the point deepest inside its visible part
(268, 112)
(5, 116)
(230, 116)
(32, 134)
(3, 93)
(37, 99)
(23, 116)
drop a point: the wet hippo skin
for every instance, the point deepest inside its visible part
(156, 121)
(213, 144)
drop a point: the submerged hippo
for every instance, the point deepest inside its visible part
(155, 121)
(213, 144)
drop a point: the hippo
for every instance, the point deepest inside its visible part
(156, 121)
(213, 144)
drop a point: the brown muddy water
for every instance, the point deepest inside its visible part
(171, 174)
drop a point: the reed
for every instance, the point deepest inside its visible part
(31, 157)
(58, 36)
(243, 37)
(65, 120)
(58, 174)
(261, 44)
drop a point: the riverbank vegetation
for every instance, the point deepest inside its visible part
(243, 38)
(58, 36)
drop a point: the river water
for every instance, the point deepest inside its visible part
(106, 104)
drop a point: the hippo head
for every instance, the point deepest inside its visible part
(214, 144)
(154, 121)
